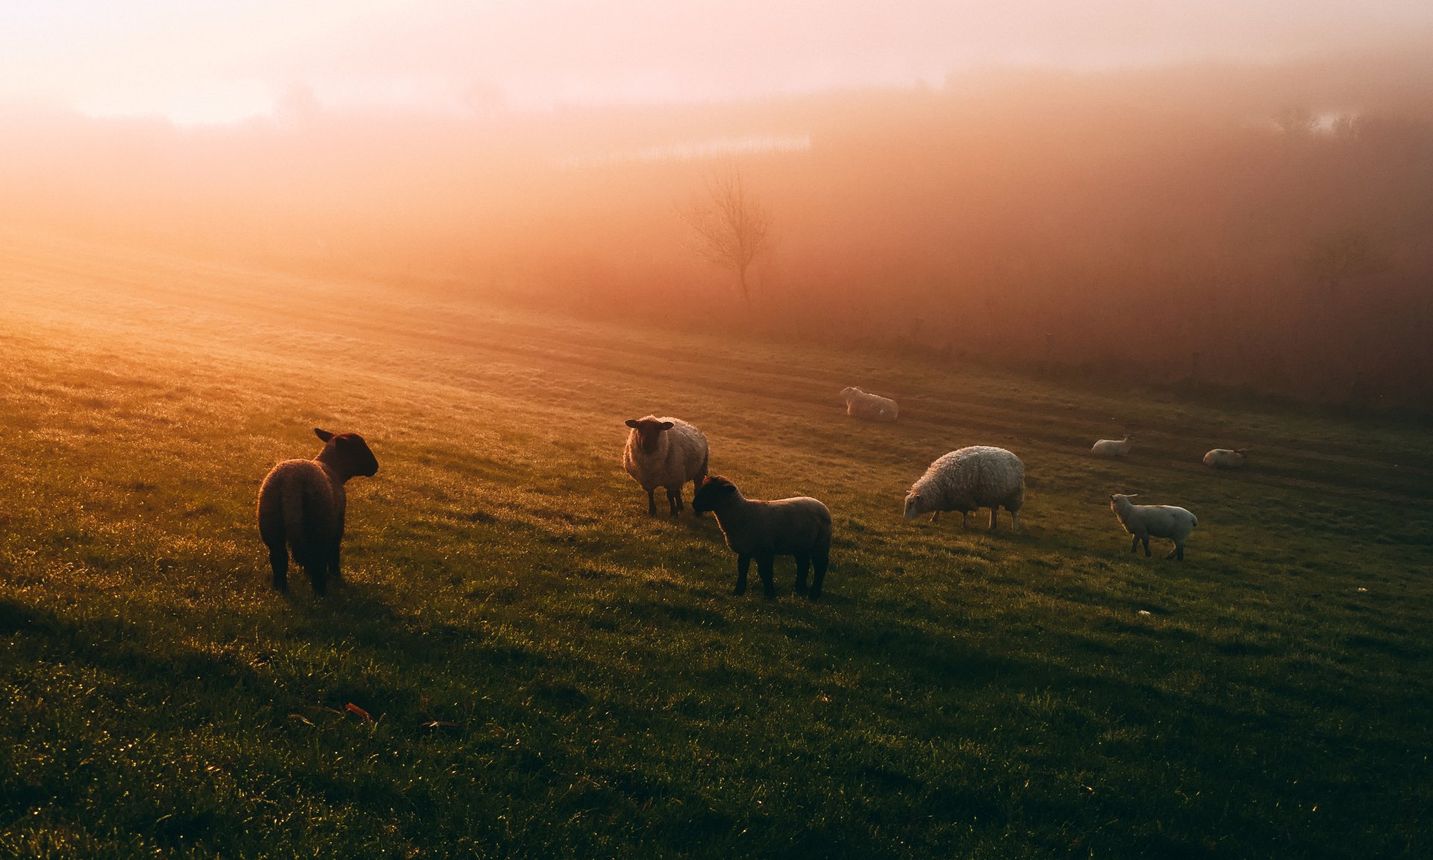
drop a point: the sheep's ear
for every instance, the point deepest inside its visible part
(665, 425)
(632, 422)
(323, 435)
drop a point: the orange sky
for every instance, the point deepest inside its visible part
(216, 60)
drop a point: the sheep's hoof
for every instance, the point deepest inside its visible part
(739, 590)
(800, 589)
(813, 596)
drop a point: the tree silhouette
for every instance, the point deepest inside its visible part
(733, 229)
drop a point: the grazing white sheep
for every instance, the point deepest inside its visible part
(1226, 458)
(1146, 521)
(979, 476)
(1111, 447)
(302, 505)
(665, 452)
(762, 530)
(872, 407)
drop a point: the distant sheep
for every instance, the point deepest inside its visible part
(302, 505)
(665, 452)
(979, 476)
(1225, 458)
(1111, 447)
(871, 407)
(1146, 521)
(762, 530)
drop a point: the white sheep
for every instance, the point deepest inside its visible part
(1226, 458)
(302, 505)
(871, 407)
(1111, 447)
(979, 476)
(762, 530)
(665, 452)
(1146, 521)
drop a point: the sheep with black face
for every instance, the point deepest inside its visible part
(762, 530)
(302, 505)
(665, 452)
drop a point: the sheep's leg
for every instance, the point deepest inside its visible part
(822, 559)
(1015, 521)
(1145, 540)
(317, 570)
(1134, 543)
(743, 564)
(965, 519)
(935, 517)
(994, 520)
(803, 564)
(279, 561)
(764, 566)
(334, 569)
(1177, 552)
(674, 501)
(652, 502)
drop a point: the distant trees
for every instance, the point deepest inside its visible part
(732, 227)
(1336, 258)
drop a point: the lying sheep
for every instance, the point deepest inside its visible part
(1146, 521)
(975, 477)
(665, 452)
(1225, 458)
(1111, 447)
(302, 505)
(871, 407)
(799, 527)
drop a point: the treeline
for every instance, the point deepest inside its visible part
(1264, 228)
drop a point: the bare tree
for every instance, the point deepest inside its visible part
(733, 229)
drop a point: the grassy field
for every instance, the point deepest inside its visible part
(537, 668)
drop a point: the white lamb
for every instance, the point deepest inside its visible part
(979, 476)
(665, 452)
(1111, 447)
(1225, 458)
(1146, 521)
(871, 407)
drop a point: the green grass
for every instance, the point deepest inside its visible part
(551, 672)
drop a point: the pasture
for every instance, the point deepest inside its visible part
(525, 664)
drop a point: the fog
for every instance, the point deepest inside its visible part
(1221, 210)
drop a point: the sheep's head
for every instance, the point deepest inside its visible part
(649, 431)
(916, 504)
(713, 493)
(849, 392)
(347, 453)
(1116, 499)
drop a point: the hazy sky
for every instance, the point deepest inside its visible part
(217, 60)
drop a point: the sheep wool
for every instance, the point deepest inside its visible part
(762, 530)
(1143, 522)
(302, 505)
(979, 476)
(871, 407)
(665, 452)
(1111, 447)
(1225, 458)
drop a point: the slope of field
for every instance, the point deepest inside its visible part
(537, 668)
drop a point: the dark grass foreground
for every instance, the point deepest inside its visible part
(525, 664)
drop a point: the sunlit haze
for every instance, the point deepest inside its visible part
(212, 60)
